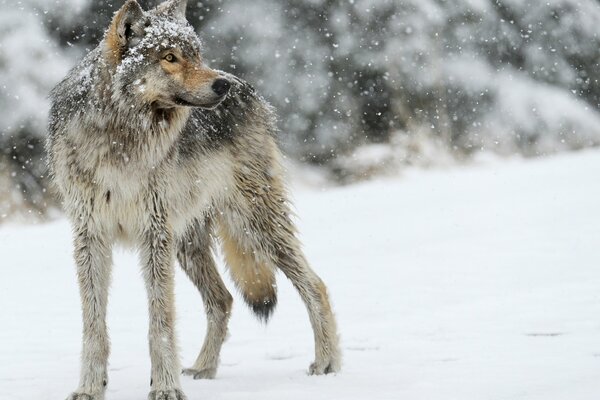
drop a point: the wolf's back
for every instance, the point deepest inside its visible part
(243, 107)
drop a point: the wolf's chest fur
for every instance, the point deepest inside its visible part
(124, 168)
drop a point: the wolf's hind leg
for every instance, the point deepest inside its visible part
(195, 257)
(261, 226)
(313, 292)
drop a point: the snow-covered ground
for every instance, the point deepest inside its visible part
(481, 282)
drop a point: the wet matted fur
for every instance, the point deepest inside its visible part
(150, 147)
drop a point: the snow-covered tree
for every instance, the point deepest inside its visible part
(31, 62)
(509, 76)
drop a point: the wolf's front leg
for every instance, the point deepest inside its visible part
(93, 259)
(158, 263)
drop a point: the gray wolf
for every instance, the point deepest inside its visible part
(150, 147)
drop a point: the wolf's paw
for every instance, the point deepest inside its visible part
(325, 366)
(168, 394)
(203, 373)
(84, 396)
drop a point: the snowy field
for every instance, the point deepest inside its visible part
(479, 282)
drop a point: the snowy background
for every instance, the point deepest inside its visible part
(460, 266)
(362, 87)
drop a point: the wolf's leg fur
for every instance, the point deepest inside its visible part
(195, 257)
(257, 218)
(157, 253)
(314, 294)
(93, 259)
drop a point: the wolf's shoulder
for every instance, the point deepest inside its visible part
(242, 108)
(72, 93)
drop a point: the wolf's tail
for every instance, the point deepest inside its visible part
(255, 279)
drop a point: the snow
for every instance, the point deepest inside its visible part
(512, 77)
(563, 117)
(24, 85)
(478, 282)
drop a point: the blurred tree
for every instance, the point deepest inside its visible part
(510, 76)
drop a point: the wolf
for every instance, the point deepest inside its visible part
(150, 147)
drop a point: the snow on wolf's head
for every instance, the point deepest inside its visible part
(156, 57)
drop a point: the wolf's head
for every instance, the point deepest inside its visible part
(156, 57)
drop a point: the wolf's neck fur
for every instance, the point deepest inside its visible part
(134, 132)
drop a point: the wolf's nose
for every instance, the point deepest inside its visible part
(221, 86)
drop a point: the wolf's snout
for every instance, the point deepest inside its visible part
(221, 86)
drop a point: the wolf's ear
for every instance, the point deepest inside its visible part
(174, 8)
(123, 29)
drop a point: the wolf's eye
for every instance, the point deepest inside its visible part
(170, 57)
